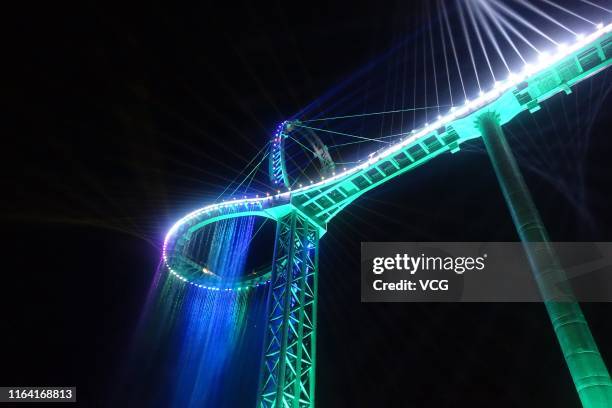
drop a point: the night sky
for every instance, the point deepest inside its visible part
(127, 117)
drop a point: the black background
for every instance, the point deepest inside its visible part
(128, 116)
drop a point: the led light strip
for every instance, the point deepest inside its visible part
(545, 61)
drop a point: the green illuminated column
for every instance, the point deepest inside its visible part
(586, 366)
(287, 373)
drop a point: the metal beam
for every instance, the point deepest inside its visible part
(287, 374)
(586, 366)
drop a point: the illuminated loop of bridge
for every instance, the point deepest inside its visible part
(320, 201)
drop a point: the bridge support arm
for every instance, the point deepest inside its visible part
(586, 366)
(287, 372)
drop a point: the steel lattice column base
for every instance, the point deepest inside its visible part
(288, 367)
(586, 366)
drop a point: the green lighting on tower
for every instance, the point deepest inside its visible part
(586, 366)
(288, 368)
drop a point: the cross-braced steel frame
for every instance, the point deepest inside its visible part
(288, 370)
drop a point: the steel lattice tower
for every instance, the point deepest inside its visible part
(287, 374)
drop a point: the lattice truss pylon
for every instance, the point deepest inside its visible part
(287, 377)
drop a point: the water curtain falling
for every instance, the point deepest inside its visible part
(213, 320)
(202, 337)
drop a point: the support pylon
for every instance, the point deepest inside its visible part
(288, 367)
(586, 366)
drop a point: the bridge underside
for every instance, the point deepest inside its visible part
(324, 201)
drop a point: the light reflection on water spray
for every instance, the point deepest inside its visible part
(209, 336)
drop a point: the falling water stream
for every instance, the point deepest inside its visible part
(204, 346)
